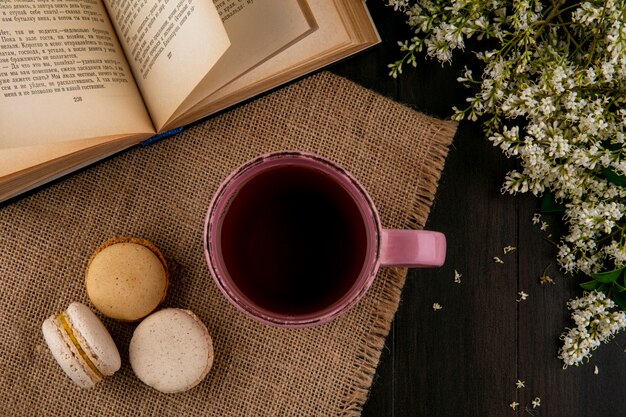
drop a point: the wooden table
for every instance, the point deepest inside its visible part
(465, 359)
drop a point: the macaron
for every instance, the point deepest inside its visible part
(81, 345)
(126, 278)
(171, 350)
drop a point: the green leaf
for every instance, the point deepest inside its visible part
(550, 205)
(620, 299)
(608, 276)
(590, 285)
(619, 288)
(613, 177)
(604, 288)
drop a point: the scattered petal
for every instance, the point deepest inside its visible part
(544, 226)
(508, 249)
(514, 405)
(536, 218)
(437, 306)
(457, 277)
(520, 384)
(596, 371)
(522, 296)
(536, 402)
(545, 279)
(498, 260)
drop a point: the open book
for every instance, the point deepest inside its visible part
(83, 79)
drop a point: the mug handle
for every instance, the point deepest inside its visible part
(412, 248)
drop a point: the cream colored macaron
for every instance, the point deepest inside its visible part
(126, 278)
(171, 350)
(81, 345)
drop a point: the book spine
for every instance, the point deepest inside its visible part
(160, 136)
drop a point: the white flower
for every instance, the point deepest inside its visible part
(520, 384)
(595, 324)
(437, 306)
(467, 76)
(514, 405)
(591, 75)
(457, 277)
(522, 296)
(547, 106)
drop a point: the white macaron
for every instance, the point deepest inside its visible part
(171, 350)
(81, 345)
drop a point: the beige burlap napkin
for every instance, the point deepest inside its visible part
(161, 193)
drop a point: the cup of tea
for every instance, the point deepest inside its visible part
(294, 240)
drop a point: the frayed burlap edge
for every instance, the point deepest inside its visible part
(372, 346)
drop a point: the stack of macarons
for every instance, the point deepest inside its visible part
(126, 279)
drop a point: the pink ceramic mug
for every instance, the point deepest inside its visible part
(293, 240)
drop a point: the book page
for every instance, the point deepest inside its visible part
(17, 161)
(63, 75)
(170, 45)
(31, 166)
(345, 27)
(329, 37)
(258, 29)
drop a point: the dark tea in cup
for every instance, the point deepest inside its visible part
(294, 240)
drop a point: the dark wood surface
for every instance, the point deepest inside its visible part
(464, 360)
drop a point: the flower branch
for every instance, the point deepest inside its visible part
(552, 94)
